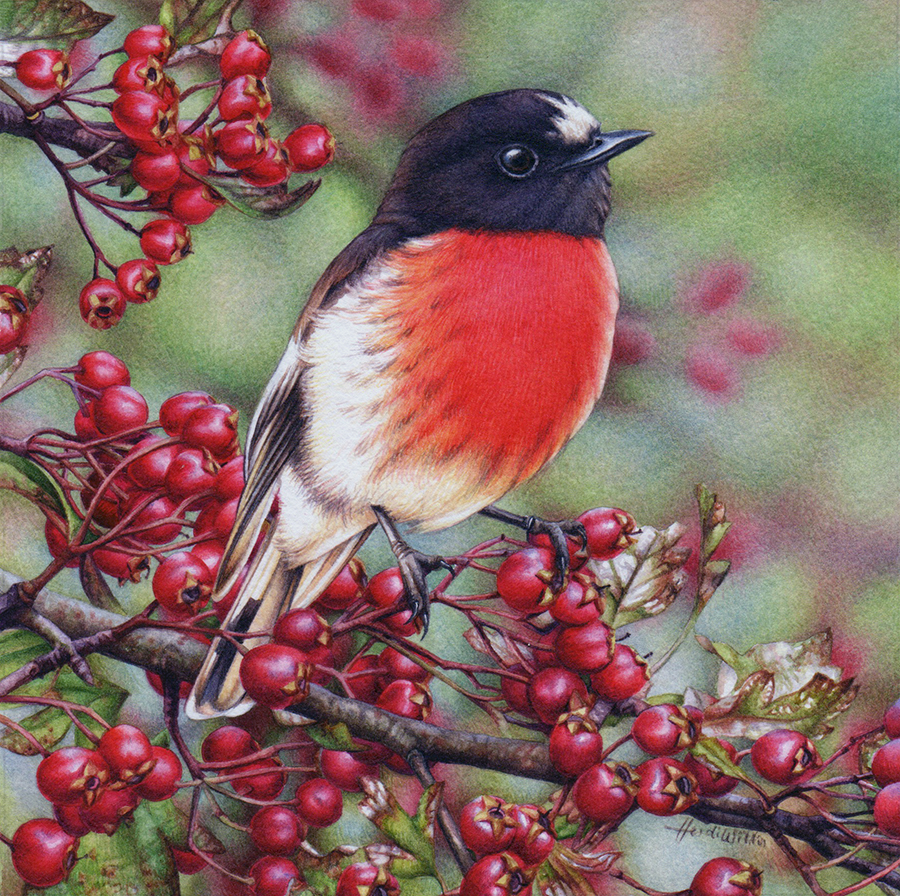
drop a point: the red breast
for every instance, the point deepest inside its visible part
(501, 342)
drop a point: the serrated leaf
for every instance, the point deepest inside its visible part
(18, 648)
(191, 22)
(96, 587)
(261, 202)
(49, 725)
(49, 22)
(26, 270)
(711, 751)
(777, 685)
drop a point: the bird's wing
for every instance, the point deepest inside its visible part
(277, 425)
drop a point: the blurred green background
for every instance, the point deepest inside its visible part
(771, 186)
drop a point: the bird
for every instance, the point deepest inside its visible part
(445, 355)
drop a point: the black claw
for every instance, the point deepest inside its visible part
(414, 567)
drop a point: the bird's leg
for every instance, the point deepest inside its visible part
(555, 530)
(414, 567)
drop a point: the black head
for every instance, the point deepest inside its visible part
(516, 160)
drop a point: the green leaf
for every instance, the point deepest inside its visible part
(333, 736)
(135, 861)
(48, 725)
(26, 270)
(261, 202)
(60, 22)
(18, 648)
(26, 478)
(711, 751)
(96, 587)
(191, 21)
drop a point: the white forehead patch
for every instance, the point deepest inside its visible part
(574, 123)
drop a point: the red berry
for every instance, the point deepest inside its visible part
(43, 69)
(144, 117)
(364, 677)
(266, 782)
(126, 567)
(711, 372)
(85, 428)
(161, 782)
(274, 876)
(101, 304)
(385, 589)
(515, 692)
(141, 73)
(228, 743)
(230, 479)
(605, 793)
(626, 675)
(886, 763)
(139, 280)
(194, 157)
(277, 830)
(379, 10)
(783, 756)
(186, 862)
(110, 809)
(216, 520)
(726, 877)
(523, 579)
(271, 168)
(498, 874)
(69, 818)
(665, 729)
(14, 318)
(194, 205)
(118, 409)
(892, 720)
(58, 542)
(303, 629)
(165, 241)
(666, 786)
(127, 752)
(585, 648)
(182, 583)
(148, 471)
(487, 825)
(175, 410)
(717, 286)
(609, 531)
(410, 699)
(319, 802)
(245, 54)
(417, 55)
(43, 854)
(344, 769)
(579, 603)
(366, 879)
(154, 523)
(242, 143)
(72, 776)
(378, 91)
(334, 55)
(575, 743)
(245, 95)
(156, 171)
(633, 343)
(534, 837)
(551, 690)
(213, 427)
(150, 40)
(192, 472)
(275, 675)
(309, 147)
(710, 780)
(210, 552)
(397, 665)
(97, 370)
(348, 587)
(752, 337)
(887, 810)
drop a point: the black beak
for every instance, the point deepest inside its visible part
(604, 147)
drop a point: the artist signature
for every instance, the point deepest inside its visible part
(690, 829)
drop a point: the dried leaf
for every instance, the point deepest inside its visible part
(96, 587)
(261, 202)
(777, 685)
(190, 22)
(26, 270)
(49, 726)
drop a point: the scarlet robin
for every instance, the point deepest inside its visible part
(445, 355)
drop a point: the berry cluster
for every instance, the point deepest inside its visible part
(384, 52)
(175, 158)
(886, 771)
(139, 491)
(92, 790)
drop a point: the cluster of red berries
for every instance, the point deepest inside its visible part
(155, 486)
(15, 315)
(174, 157)
(92, 790)
(381, 55)
(886, 771)
(510, 841)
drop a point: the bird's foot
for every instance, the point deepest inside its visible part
(558, 533)
(414, 568)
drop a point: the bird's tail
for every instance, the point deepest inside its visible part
(270, 588)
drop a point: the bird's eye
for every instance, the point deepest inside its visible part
(517, 160)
